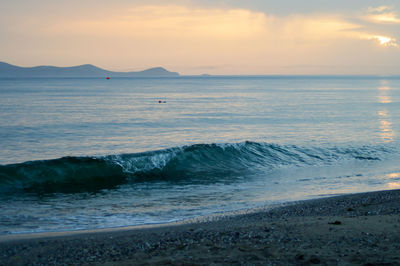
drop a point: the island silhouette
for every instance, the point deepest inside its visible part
(81, 71)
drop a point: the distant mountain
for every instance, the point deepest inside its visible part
(82, 71)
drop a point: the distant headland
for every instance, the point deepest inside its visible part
(81, 71)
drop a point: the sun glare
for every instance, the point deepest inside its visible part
(385, 41)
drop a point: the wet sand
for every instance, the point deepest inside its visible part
(359, 229)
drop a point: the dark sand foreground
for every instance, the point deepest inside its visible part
(360, 229)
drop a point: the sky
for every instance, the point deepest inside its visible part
(236, 37)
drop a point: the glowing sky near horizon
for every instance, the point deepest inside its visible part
(215, 37)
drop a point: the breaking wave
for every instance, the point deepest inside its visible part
(204, 162)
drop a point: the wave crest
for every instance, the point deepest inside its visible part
(204, 162)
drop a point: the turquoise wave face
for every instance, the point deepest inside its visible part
(201, 163)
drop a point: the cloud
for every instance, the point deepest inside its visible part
(383, 14)
(379, 9)
(218, 24)
(230, 40)
(171, 21)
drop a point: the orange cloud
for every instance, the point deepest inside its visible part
(181, 22)
(171, 21)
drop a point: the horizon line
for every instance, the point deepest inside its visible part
(207, 74)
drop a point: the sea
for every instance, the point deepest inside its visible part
(91, 153)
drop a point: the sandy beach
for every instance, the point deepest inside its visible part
(357, 229)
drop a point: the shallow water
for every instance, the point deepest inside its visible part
(94, 153)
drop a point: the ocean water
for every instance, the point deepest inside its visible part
(96, 153)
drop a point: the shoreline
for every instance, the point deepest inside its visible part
(215, 217)
(351, 229)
